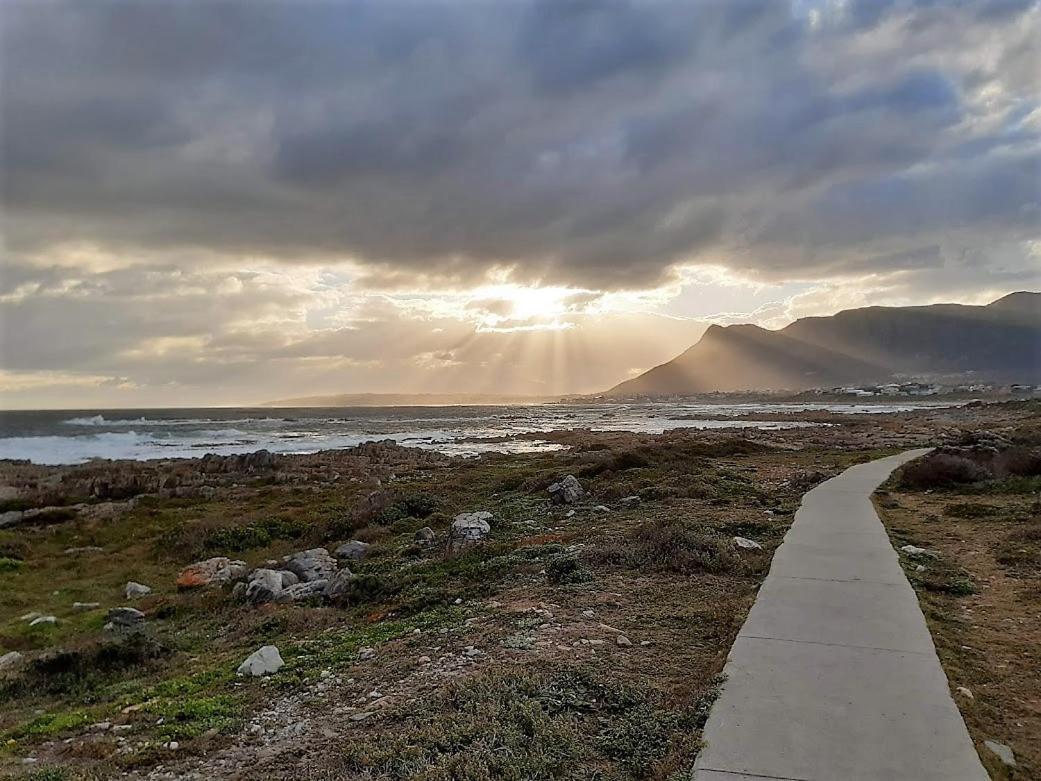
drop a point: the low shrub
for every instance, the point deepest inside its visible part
(942, 470)
(567, 569)
(78, 670)
(669, 546)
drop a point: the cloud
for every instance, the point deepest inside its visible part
(195, 190)
(596, 144)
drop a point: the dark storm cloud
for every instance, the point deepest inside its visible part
(597, 143)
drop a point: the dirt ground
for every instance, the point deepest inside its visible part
(979, 584)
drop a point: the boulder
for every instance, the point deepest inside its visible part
(10, 661)
(339, 585)
(218, 570)
(354, 550)
(470, 528)
(313, 564)
(136, 590)
(567, 491)
(11, 518)
(264, 585)
(301, 591)
(264, 661)
(43, 620)
(125, 616)
(425, 536)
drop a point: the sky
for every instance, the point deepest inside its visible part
(210, 203)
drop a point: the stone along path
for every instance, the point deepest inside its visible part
(834, 676)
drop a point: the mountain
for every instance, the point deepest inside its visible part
(999, 342)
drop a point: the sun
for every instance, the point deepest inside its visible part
(520, 307)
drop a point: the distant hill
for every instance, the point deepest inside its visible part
(998, 342)
(406, 400)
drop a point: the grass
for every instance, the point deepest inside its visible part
(669, 545)
(695, 499)
(521, 724)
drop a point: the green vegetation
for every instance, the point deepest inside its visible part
(528, 724)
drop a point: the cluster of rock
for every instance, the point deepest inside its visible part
(313, 573)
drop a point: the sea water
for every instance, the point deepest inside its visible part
(70, 437)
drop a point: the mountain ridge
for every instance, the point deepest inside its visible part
(999, 341)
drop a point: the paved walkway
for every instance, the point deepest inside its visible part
(834, 676)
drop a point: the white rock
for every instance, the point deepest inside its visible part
(913, 550)
(623, 641)
(40, 620)
(172, 745)
(81, 606)
(1003, 752)
(135, 590)
(264, 661)
(29, 616)
(353, 550)
(10, 661)
(964, 692)
(744, 542)
(366, 653)
(471, 527)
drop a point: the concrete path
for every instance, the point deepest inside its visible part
(834, 676)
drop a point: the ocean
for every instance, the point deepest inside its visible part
(76, 436)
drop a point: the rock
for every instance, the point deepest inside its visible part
(567, 491)
(11, 518)
(354, 550)
(264, 661)
(425, 536)
(12, 660)
(125, 616)
(135, 590)
(264, 585)
(172, 745)
(422, 660)
(744, 542)
(313, 564)
(602, 508)
(365, 653)
(919, 568)
(470, 528)
(218, 570)
(339, 585)
(80, 607)
(44, 620)
(1003, 752)
(84, 549)
(630, 500)
(913, 550)
(966, 693)
(29, 616)
(301, 591)
(623, 641)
